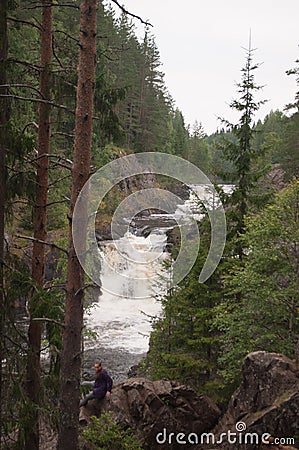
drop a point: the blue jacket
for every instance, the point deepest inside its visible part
(102, 384)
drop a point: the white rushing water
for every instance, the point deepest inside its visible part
(132, 271)
(201, 193)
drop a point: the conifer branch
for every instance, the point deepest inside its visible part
(47, 155)
(61, 133)
(131, 14)
(56, 202)
(39, 241)
(12, 341)
(24, 63)
(25, 22)
(32, 123)
(66, 5)
(68, 35)
(54, 52)
(27, 86)
(58, 180)
(40, 100)
(46, 319)
(37, 100)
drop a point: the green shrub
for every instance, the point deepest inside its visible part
(104, 433)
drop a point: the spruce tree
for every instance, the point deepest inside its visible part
(180, 135)
(290, 153)
(199, 151)
(240, 150)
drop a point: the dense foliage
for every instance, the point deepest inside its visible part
(104, 433)
(266, 318)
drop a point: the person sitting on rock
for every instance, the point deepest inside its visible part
(102, 385)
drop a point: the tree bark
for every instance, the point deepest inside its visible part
(39, 222)
(71, 353)
(4, 116)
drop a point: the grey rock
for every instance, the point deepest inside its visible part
(267, 400)
(149, 407)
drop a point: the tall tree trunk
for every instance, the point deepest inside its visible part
(71, 353)
(4, 115)
(39, 221)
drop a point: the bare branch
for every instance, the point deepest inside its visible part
(58, 163)
(15, 170)
(86, 286)
(58, 180)
(34, 124)
(68, 35)
(37, 100)
(60, 133)
(27, 86)
(24, 63)
(67, 5)
(68, 83)
(46, 319)
(131, 14)
(30, 238)
(25, 22)
(40, 100)
(54, 53)
(47, 155)
(56, 202)
(16, 344)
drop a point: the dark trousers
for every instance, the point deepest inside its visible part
(88, 397)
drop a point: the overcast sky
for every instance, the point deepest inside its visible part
(200, 42)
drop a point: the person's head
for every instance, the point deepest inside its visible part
(98, 366)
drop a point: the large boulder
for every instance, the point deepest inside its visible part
(267, 400)
(158, 408)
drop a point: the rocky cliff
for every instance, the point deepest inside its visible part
(267, 401)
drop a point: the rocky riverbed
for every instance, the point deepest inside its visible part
(118, 362)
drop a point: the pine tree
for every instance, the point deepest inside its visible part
(40, 217)
(199, 151)
(240, 150)
(71, 354)
(290, 156)
(180, 135)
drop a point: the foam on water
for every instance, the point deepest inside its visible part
(132, 268)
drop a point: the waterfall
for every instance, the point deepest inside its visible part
(133, 278)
